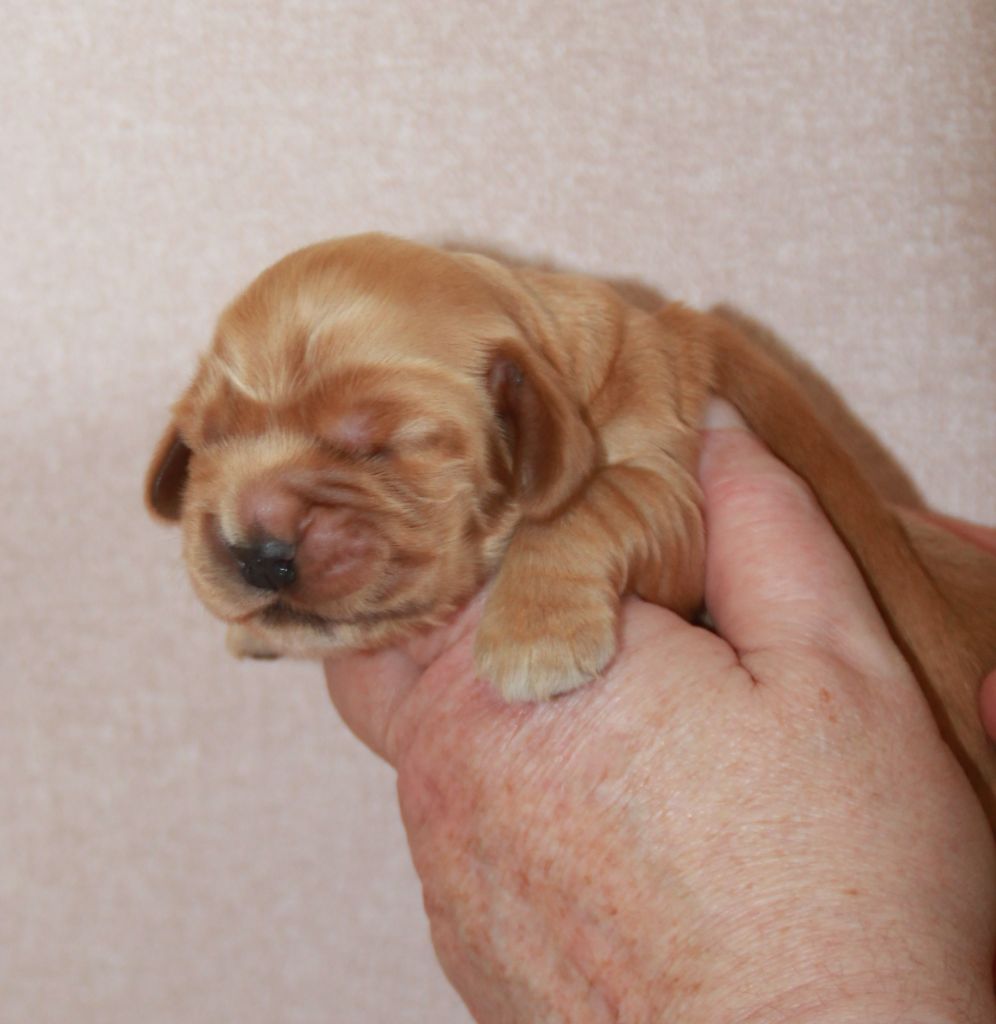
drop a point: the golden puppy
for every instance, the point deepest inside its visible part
(379, 427)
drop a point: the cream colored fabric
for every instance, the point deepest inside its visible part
(186, 839)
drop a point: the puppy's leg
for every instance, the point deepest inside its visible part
(550, 622)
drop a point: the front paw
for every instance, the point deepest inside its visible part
(533, 648)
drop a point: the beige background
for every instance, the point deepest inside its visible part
(186, 839)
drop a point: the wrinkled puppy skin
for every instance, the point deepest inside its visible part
(380, 427)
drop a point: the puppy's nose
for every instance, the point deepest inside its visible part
(268, 565)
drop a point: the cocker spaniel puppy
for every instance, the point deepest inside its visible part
(380, 427)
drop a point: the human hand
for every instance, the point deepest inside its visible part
(757, 826)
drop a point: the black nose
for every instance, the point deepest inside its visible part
(268, 565)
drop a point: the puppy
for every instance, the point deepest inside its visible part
(379, 427)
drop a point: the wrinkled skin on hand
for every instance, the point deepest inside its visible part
(760, 825)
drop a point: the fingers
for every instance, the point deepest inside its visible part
(367, 690)
(776, 572)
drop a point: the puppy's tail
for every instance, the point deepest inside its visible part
(936, 592)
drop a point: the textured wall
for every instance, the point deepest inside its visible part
(186, 839)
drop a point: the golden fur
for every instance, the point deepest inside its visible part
(414, 422)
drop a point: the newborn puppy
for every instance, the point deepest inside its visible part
(379, 427)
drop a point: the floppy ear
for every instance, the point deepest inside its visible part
(552, 448)
(167, 476)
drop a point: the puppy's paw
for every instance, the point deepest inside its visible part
(532, 649)
(244, 644)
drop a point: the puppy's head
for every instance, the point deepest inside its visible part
(370, 424)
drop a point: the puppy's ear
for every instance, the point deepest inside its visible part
(552, 448)
(167, 476)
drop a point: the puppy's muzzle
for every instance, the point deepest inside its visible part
(268, 565)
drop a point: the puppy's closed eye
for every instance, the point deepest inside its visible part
(356, 432)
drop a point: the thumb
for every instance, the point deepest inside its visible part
(372, 691)
(776, 572)
(367, 691)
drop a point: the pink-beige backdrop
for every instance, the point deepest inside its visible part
(188, 839)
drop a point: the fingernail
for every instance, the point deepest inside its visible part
(720, 415)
